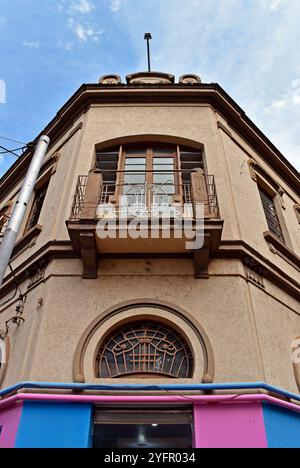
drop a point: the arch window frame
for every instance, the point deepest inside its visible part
(128, 311)
(144, 348)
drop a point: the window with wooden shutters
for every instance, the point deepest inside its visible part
(148, 174)
(271, 213)
(37, 206)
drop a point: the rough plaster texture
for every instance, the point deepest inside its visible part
(242, 323)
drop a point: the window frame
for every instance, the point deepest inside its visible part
(275, 193)
(143, 374)
(147, 150)
(271, 218)
(40, 185)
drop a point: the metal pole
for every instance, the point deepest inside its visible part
(148, 50)
(148, 37)
(14, 224)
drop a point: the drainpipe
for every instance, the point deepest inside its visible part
(14, 224)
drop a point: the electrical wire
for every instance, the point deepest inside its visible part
(15, 280)
(17, 289)
(13, 141)
(9, 300)
(17, 149)
(12, 151)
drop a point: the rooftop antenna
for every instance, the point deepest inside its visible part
(148, 37)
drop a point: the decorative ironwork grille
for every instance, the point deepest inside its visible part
(144, 348)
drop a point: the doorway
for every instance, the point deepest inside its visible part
(147, 427)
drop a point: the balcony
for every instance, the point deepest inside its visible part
(154, 212)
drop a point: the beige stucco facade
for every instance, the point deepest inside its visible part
(249, 306)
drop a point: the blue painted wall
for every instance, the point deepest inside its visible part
(282, 427)
(55, 425)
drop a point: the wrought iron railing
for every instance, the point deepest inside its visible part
(78, 198)
(146, 195)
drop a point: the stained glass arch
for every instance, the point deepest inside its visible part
(144, 349)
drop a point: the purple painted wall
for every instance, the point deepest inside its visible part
(230, 426)
(9, 423)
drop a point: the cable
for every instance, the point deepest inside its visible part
(17, 149)
(28, 146)
(17, 289)
(14, 141)
(15, 280)
(9, 151)
(10, 299)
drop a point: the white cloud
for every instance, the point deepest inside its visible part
(1, 159)
(291, 98)
(275, 4)
(251, 53)
(67, 46)
(84, 32)
(81, 6)
(31, 44)
(277, 105)
(116, 5)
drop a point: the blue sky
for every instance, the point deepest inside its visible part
(250, 47)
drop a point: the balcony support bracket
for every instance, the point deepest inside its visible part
(201, 260)
(89, 254)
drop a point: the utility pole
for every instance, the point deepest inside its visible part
(14, 224)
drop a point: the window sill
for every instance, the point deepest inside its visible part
(28, 240)
(282, 250)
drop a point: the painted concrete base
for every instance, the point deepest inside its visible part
(223, 421)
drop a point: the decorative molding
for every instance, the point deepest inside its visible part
(281, 194)
(50, 251)
(254, 271)
(37, 274)
(110, 80)
(28, 240)
(190, 79)
(252, 165)
(297, 211)
(257, 171)
(240, 250)
(278, 247)
(224, 128)
(78, 362)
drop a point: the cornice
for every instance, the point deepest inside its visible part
(227, 250)
(211, 94)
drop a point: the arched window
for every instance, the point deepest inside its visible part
(144, 349)
(148, 174)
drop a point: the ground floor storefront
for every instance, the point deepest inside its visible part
(48, 419)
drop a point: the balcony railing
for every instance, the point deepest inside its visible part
(78, 199)
(145, 198)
